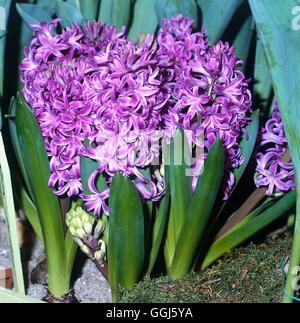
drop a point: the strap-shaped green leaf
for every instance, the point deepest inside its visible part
(15, 141)
(32, 13)
(121, 13)
(262, 81)
(180, 189)
(160, 224)
(116, 12)
(25, 200)
(242, 42)
(89, 9)
(31, 213)
(12, 297)
(216, 16)
(71, 250)
(199, 212)
(37, 169)
(242, 232)
(144, 19)
(171, 8)
(48, 6)
(87, 167)
(69, 13)
(126, 235)
(7, 198)
(276, 28)
(106, 10)
(247, 145)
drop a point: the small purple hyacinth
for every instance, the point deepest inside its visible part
(208, 94)
(274, 169)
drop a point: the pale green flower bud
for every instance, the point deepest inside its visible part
(88, 228)
(72, 231)
(85, 218)
(100, 255)
(99, 229)
(77, 223)
(86, 250)
(80, 233)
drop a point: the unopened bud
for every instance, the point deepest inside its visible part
(100, 255)
(99, 229)
(88, 228)
(86, 250)
(80, 233)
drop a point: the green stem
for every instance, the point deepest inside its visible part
(295, 257)
(115, 296)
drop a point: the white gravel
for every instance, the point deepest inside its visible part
(92, 287)
(37, 291)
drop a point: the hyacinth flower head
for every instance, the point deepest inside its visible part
(208, 94)
(274, 169)
(92, 84)
(99, 95)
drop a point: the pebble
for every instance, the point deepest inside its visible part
(37, 291)
(92, 287)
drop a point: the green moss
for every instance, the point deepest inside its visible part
(250, 274)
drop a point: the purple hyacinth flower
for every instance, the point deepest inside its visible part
(274, 169)
(92, 85)
(208, 94)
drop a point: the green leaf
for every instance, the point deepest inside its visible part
(144, 19)
(8, 203)
(37, 169)
(106, 11)
(121, 13)
(250, 226)
(274, 21)
(160, 224)
(48, 6)
(247, 145)
(89, 9)
(216, 16)
(69, 13)
(171, 8)
(180, 188)
(73, 3)
(243, 40)
(32, 13)
(199, 212)
(87, 167)
(12, 297)
(115, 12)
(31, 213)
(126, 235)
(15, 142)
(262, 80)
(71, 250)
